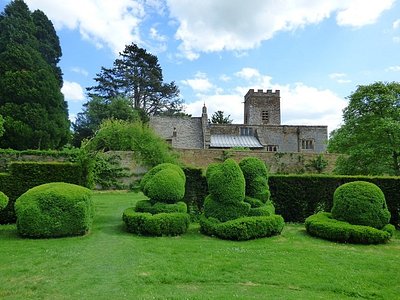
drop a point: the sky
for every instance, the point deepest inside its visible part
(316, 52)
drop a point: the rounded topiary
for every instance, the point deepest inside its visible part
(323, 225)
(226, 182)
(256, 175)
(149, 175)
(54, 210)
(160, 207)
(3, 200)
(166, 186)
(360, 203)
(225, 211)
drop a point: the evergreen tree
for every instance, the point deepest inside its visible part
(137, 76)
(31, 102)
(219, 118)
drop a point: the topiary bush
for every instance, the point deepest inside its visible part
(256, 175)
(3, 200)
(323, 225)
(359, 215)
(229, 213)
(54, 210)
(360, 203)
(164, 213)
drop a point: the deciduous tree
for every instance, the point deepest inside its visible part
(370, 134)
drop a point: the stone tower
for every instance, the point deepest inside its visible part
(262, 108)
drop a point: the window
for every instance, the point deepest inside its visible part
(272, 148)
(307, 144)
(265, 116)
(248, 131)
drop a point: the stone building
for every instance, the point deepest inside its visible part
(261, 129)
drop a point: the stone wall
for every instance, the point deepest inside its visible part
(181, 132)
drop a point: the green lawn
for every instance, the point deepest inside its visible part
(110, 263)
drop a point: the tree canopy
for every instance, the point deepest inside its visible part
(219, 118)
(370, 134)
(31, 103)
(137, 75)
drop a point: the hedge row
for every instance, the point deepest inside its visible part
(25, 175)
(297, 197)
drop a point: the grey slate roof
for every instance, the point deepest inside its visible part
(229, 141)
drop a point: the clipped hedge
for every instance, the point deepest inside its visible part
(153, 171)
(322, 225)
(170, 224)
(26, 175)
(298, 196)
(225, 211)
(360, 203)
(195, 190)
(245, 228)
(256, 176)
(160, 207)
(54, 210)
(3, 200)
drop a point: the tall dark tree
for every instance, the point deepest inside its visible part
(219, 118)
(31, 102)
(370, 134)
(137, 75)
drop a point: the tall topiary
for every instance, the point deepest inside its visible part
(228, 212)
(3, 200)
(360, 203)
(54, 210)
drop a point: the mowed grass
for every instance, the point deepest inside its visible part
(110, 263)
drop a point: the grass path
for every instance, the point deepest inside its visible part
(112, 264)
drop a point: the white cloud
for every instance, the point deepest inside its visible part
(393, 69)
(102, 22)
(73, 91)
(396, 24)
(200, 83)
(300, 104)
(248, 73)
(224, 78)
(396, 39)
(79, 70)
(339, 77)
(210, 26)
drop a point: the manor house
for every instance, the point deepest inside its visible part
(261, 130)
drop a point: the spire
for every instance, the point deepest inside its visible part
(204, 111)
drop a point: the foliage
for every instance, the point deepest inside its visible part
(226, 183)
(31, 103)
(318, 164)
(3, 200)
(25, 175)
(137, 75)
(371, 125)
(156, 225)
(219, 118)
(292, 265)
(256, 175)
(149, 149)
(298, 196)
(244, 228)
(323, 225)
(360, 203)
(166, 186)
(195, 190)
(107, 171)
(153, 171)
(97, 110)
(225, 211)
(54, 210)
(160, 207)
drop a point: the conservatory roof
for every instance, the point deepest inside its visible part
(230, 141)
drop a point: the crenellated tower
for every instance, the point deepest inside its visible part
(262, 108)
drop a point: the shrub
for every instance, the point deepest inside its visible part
(267, 209)
(256, 176)
(195, 191)
(226, 182)
(360, 203)
(166, 186)
(226, 211)
(159, 207)
(150, 174)
(54, 210)
(245, 228)
(157, 225)
(3, 200)
(323, 225)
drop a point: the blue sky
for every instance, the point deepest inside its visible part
(316, 52)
